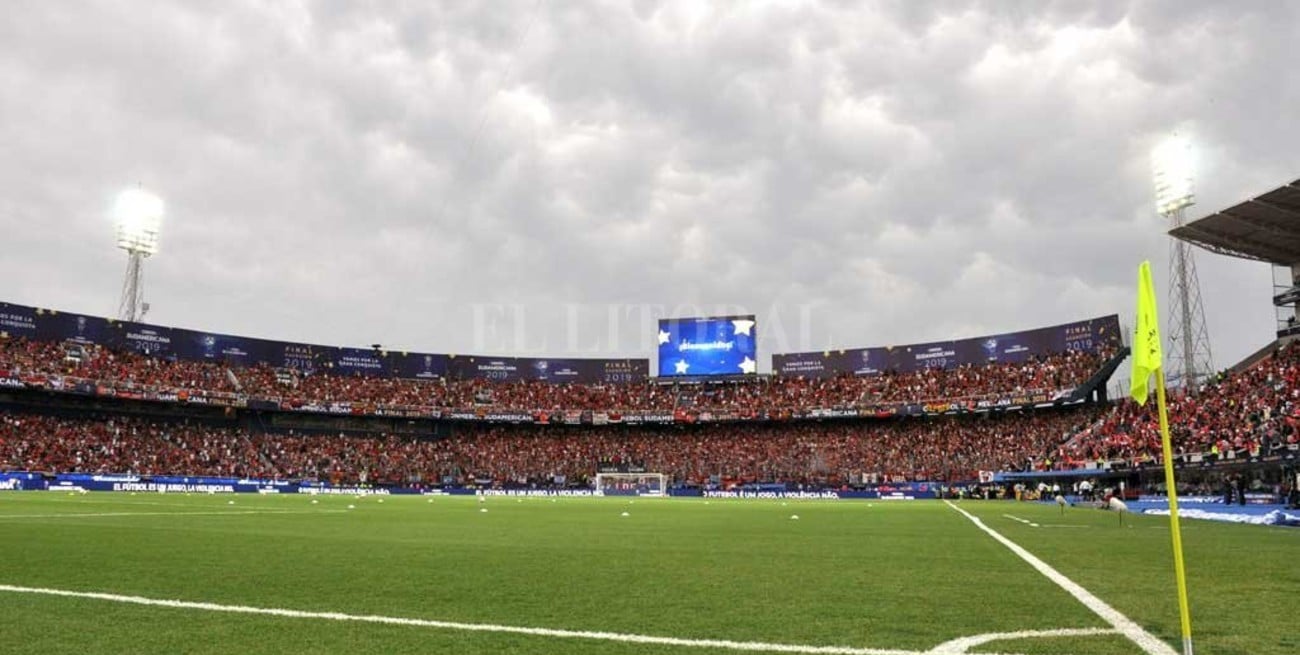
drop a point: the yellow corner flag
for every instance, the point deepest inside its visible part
(1147, 359)
(1146, 337)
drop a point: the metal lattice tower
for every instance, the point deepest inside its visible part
(1189, 359)
(131, 306)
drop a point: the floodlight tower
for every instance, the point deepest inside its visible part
(1189, 340)
(138, 217)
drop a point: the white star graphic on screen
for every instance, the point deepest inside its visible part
(681, 366)
(747, 366)
(743, 326)
(663, 337)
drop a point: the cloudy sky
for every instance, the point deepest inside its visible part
(547, 177)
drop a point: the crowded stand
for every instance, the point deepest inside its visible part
(764, 448)
(816, 453)
(119, 444)
(24, 358)
(1238, 415)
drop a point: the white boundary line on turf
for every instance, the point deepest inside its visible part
(1126, 626)
(952, 647)
(1025, 521)
(962, 645)
(229, 512)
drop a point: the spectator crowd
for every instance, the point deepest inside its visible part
(1242, 414)
(21, 357)
(1250, 412)
(828, 453)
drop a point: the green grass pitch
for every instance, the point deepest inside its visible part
(904, 576)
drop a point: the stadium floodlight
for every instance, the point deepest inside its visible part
(1174, 167)
(1190, 359)
(137, 216)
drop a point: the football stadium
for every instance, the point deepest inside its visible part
(1049, 476)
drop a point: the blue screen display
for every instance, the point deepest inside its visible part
(720, 345)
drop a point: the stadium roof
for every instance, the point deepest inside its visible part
(1265, 228)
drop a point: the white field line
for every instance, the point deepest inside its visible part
(1126, 626)
(473, 627)
(962, 645)
(1042, 525)
(81, 500)
(953, 647)
(229, 512)
(1025, 521)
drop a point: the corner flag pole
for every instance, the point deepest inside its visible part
(1147, 360)
(1184, 613)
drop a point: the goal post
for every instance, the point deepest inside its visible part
(631, 484)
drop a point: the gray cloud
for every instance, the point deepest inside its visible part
(858, 175)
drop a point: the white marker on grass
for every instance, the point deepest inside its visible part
(1116, 505)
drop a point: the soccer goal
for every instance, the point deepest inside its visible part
(631, 484)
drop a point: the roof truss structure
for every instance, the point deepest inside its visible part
(1266, 228)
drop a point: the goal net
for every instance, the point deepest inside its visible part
(631, 484)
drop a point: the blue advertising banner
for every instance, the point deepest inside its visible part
(196, 345)
(907, 491)
(21, 481)
(152, 340)
(179, 484)
(301, 356)
(1087, 335)
(17, 320)
(358, 361)
(501, 369)
(942, 354)
(719, 345)
(514, 369)
(1014, 347)
(205, 346)
(420, 366)
(859, 361)
(57, 326)
(589, 370)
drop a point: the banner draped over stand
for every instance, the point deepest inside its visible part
(194, 345)
(1014, 347)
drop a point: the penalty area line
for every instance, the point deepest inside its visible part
(752, 646)
(959, 646)
(1148, 642)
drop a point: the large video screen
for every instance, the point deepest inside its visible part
(719, 345)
